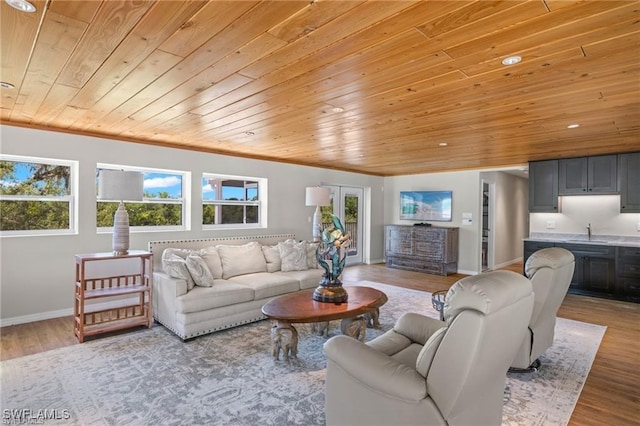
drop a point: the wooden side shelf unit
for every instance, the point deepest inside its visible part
(122, 313)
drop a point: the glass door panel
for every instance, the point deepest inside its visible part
(347, 204)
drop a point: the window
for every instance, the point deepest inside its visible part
(37, 196)
(164, 206)
(233, 202)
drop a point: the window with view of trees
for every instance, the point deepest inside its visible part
(37, 195)
(233, 201)
(164, 204)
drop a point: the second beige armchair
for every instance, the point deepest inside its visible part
(550, 271)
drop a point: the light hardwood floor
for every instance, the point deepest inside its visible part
(611, 395)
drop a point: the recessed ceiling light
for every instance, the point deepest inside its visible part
(573, 126)
(6, 85)
(21, 5)
(338, 109)
(249, 133)
(443, 144)
(511, 60)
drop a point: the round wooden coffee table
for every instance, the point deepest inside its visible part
(299, 307)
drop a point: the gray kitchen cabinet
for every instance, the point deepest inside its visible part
(543, 187)
(628, 273)
(601, 270)
(599, 275)
(594, 273)
(588, 175)
(629, 182)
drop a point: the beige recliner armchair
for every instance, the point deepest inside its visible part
(430, 372)
(550, 271)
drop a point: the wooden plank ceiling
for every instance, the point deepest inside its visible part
(367, 86)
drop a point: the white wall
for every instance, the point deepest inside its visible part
(37, 277)
(466, 199)
(602, 211)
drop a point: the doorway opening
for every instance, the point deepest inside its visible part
(487, 241)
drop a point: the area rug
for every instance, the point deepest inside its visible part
(150, 377)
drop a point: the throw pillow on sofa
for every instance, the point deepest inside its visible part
(199, 270)
(312, 260)
(241, 260)
(174, 264)
(272, 256)
(212, 259)
(293, 255)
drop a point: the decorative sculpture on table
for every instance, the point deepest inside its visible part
(335, 240)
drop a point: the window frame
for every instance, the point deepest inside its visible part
(261, 203)
(72, 198)
(185, 201)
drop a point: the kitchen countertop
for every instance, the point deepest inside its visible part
(609, 240)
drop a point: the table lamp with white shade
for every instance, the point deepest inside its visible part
(317, 196)
(120, 185)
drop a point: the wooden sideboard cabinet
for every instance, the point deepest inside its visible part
(428, 249)
(96, 279)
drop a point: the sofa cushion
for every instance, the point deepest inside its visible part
(306, 279)
(222, 293)
(293, 255)
(265, 284)
(241, 259)
(199, 270)
(212, 259)
(174, 264)
(272, 256)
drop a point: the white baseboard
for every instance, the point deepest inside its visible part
(495, 268)
(505, 264)
(23, 319)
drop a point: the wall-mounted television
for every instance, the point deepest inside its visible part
(426, 205)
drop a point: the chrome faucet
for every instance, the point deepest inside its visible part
(589, 231)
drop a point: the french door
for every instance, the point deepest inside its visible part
(347, 204)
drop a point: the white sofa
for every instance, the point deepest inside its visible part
(202, 286)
